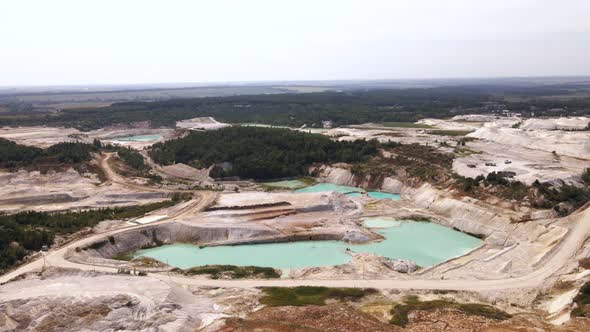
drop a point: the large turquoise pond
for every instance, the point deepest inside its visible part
(349, 191)
(138, 138)
(423, 242)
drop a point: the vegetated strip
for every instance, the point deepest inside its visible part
(307, 295)
(411, 303)
(294, 110)
(562, 197)
(232, 271)
(14, 156)
(449, 132)
(25, 232)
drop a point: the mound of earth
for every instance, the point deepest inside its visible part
(337, 318)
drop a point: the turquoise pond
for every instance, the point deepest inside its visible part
(321, 187)
(349, 191)
(138, 138)
(423, 242)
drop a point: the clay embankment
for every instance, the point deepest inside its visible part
(277, 218)
(60, 191)
(467, 214)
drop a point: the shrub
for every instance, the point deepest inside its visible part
(582, 301)
(234, 272)
(400, 312)
(306, 295)
(584, 263)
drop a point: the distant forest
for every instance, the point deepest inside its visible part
(259, 153)
(295, 110)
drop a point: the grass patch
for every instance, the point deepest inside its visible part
(305, 295)
(411, 303)
(124, 257)
(449, 132)
(463, 151)
(420, 218)
(406, 125)
(308, 180)
(233, 272)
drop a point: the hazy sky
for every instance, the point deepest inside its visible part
(141, 41)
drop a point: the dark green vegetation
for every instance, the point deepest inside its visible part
(13, 155)
(259, 153)
(582, 301)
(294, 110)
(24, 232)
(343, 108)
(414, 163)
(496, 183)
(306, 295)
(586, 176)
(132, 158)
(411, 303)
(233, 272)
(129, 156)
(563, 198)
(449, 132)
(555, 197)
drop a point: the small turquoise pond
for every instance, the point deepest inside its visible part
(376, 195)
(138, 138)
(349, 191)
(423, 242)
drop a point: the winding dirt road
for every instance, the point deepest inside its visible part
(551, 265)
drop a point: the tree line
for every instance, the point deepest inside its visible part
(14, 155)
(29, 231)
(259, 153)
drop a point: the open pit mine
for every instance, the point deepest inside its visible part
(473, 239)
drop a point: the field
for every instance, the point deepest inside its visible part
(406, 125)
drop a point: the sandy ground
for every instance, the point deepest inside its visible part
(39, 136)
(203, 123)
(516, 263)
(574, 144)
(44, 137)
(528, 164)
(569, 123)
(100, 302)
(66, 190)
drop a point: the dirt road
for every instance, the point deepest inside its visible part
(56, 258)
(552, 265)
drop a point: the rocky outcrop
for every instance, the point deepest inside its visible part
(132, 240)
(336, 175)
(466, 214)
(401, 265)
(568, 143)
(392, 185)
(342, 175)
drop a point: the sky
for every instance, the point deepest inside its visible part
(69, 42)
